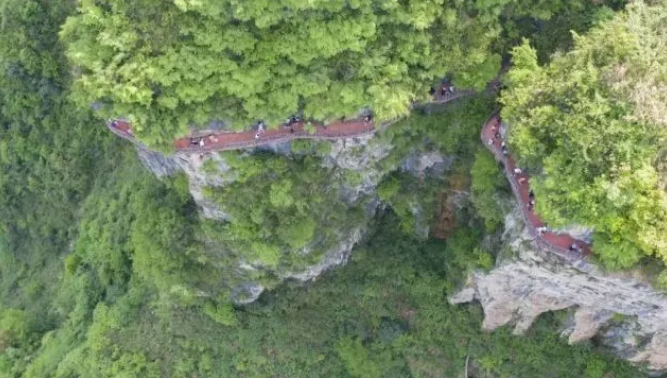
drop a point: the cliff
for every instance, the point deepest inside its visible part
(357, 166)
(616, 310)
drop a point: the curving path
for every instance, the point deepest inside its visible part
(559, 244)
(225, 140)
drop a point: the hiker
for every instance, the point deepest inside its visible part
(574, 248)
(202, 143)
(291, 130)
(517, 171)
(367, 119)
(114, 124)
(213, 138)
(490, 142)
(522, 180)
(531, 194)
(431, 91)
(505, 152)
(256, 135)
(443, 90)
(502, 144)
(498, 136)
(541, 230)
(450, 89)
(194, 141)
(260, 127)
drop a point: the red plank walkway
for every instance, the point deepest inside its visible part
(560, 243)
(225, 140)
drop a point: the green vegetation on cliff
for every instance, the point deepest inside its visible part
(593, 123)
(106, 271)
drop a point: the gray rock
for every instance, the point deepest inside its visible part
(247, 293)
(418, 164)
(336, 255)
(519, 289)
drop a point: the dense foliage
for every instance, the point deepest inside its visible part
(106, 271)
(166, 64)
(593, 123)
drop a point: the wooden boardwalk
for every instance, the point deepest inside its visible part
(561, 243)
(225, 140)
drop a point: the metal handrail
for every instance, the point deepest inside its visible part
(571, 256)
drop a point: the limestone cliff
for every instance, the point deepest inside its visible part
(365, 159)
(617, 310)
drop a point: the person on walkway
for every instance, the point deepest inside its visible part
(291, 130)
(202, 143)
(213, 138)
(541, 230)
(517, 171)
(450, 89)
(114, 124)
(260, 127)
(490, 142)
(531, 204)
(502, 144)
(368, 118)
(443, 90)
(522, 180)
(194, 141)
(256, 136)
(505, 152)
(498, 136)
(531, 194)
(431, 91)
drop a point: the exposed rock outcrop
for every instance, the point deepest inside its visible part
(622, 312)
(362, 162)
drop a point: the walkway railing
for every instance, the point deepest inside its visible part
(266, 140)
(285, 137)
(538, 240)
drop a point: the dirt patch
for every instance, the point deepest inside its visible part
(448, 204)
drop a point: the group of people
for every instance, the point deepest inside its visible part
(261, 125)
(446, 89)
(201, 140)
(518, 172)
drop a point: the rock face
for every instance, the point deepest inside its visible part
(215, 173)
(619, 311)
(364, 159)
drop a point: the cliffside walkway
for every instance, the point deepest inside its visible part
(226, 140)
(557, 243)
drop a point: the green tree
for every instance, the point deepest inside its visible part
(168, 64)
(357, 359)
(592, 122)
(487, 179)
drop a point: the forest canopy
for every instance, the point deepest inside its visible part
(168, 64)
(106, 271)
(592, 122)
